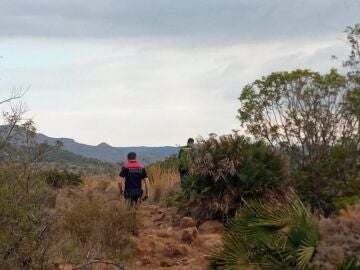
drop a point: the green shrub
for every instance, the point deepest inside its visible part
(59, 179)
(269, 234)
(173, 199)
(344, 202)
(337, 178)
(169, 163)
(26, 219)
(229, 168)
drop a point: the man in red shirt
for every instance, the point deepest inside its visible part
(131, 176)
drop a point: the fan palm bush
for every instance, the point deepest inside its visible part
(229, 168)
(278, 233)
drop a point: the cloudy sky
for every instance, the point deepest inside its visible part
(154, 72)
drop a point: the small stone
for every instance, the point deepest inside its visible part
(166, 264)
(173, 250)
(187, 222)
(163, 234)
(211, 226)
(188, 235)
(146, 261)
(159, 217)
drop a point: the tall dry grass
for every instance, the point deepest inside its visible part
(163, 181)
(94, 222)
(339, 239)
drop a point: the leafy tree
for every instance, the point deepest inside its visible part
(353, 38)
(314, 119)
(352, 100)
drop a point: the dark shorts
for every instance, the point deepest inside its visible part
(133, 195)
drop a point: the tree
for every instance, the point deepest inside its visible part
(311, 118)
(353, 38)
(353, 62)
(25, 219)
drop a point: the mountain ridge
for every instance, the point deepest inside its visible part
(105, 152)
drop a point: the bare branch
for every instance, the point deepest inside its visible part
(16, 94)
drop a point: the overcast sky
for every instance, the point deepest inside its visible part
(154, 72)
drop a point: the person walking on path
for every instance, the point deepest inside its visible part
(131, 176)
(186, 155)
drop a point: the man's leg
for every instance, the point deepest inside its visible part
(183, 175)
(133, 197)
(135, 229)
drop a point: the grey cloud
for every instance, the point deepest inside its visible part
(205, 21)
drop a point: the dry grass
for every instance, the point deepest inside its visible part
(163, 182)
(99, 182)
(94, 222)
(339, 239)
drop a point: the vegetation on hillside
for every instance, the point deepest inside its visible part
(277, 233)
(64, 160)
(95, 223)
(228, 169)
(27, 202)
(309, 117)
(272, 190)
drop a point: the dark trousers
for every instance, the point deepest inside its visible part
(132, 196)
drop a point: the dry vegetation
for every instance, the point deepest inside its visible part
(89, 226)
(93, 223)
(164, 181)
(339, 239)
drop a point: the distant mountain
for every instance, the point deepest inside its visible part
(108, 153)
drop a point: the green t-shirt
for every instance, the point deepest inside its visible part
(185, 157)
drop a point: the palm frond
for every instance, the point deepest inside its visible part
(270, 235)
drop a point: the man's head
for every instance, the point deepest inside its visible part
(131, 156)
(190, 141)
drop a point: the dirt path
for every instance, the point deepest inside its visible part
(168, 242)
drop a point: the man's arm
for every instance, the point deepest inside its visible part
(121, 185)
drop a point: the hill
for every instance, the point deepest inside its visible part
(66, 160)
(103, 151)
(108, 153)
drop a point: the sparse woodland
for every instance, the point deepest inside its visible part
(284, 193)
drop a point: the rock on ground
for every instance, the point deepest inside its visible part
(167, 243)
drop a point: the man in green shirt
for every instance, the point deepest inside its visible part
(185, 157)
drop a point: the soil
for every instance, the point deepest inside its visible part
(168, 241)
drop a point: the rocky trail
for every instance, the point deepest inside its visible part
(168, 241)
